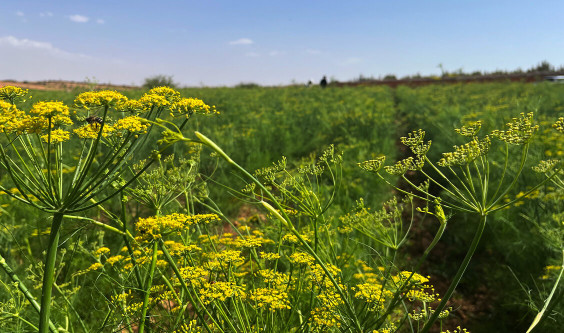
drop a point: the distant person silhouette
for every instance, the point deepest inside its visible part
(323, 82)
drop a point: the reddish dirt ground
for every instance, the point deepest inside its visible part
(62, 85)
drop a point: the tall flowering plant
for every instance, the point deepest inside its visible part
(465, 177)
(39, 171)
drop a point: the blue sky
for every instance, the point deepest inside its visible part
(217, 43)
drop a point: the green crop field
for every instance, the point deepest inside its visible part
(288, 209)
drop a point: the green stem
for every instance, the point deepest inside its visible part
(49, 272)
(148, 286)
(458, 275)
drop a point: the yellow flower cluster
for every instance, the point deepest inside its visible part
(367, 274)
(269, 256)
(374, 294)
(244, 242)
(49, 109)
(13, 120)
(103, 98)
(101, 251)
(114, 259)
(462, 155)
(167, 92)
(133, 308)
(421, 295)
(270, 299)
(293, 239)
(391, 328)
(195, 275)
(416, 279)
(133, 106)
(372, 165)
(457, 330)
(520, 130)
(10, 118)
(191, 327)
(131, 124)
(301, 258)
(153, 227)
(326, 314)
(57, 136)
(122, 297)
(91, 131)
(159, 97)
(319, 276)
(10, 93)
(224, 259)
(220, 290)
(470, 130)
(149, 101)
(94, 267)
(189, 106)
(404, 165)
(559, 125)
(179, 249)
(273, 278)
(415, 141)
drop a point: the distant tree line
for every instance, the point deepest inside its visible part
(542, 67)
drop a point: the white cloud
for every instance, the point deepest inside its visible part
(252, 54)
(25, 43)
(25, 59)
(46, 14)
(241, 41)
(42, 47)
(20, 13)
(274, 53)
(312, 51)
(100, 21)
(79, 18)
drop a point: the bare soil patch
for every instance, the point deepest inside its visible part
(63, 85)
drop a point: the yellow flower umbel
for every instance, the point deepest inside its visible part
(559, 125)
(270, 299)
(168, 93)
(10, 93)
(155, 227)
(467, 153)
(90, 131)
(132, 124)
(11, 119)
(374, 295)
(189, 106)
(43, 115)
(520, 130)
(220, 291)
(159, 97)
(97, 99)
(50, 109)
(273, 278)
(57, 136)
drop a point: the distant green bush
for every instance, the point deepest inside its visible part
(159, 81)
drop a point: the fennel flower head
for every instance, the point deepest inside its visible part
(10, 93)
(189, 106)
(96, 99)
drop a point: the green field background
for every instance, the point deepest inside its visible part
(258, 125)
